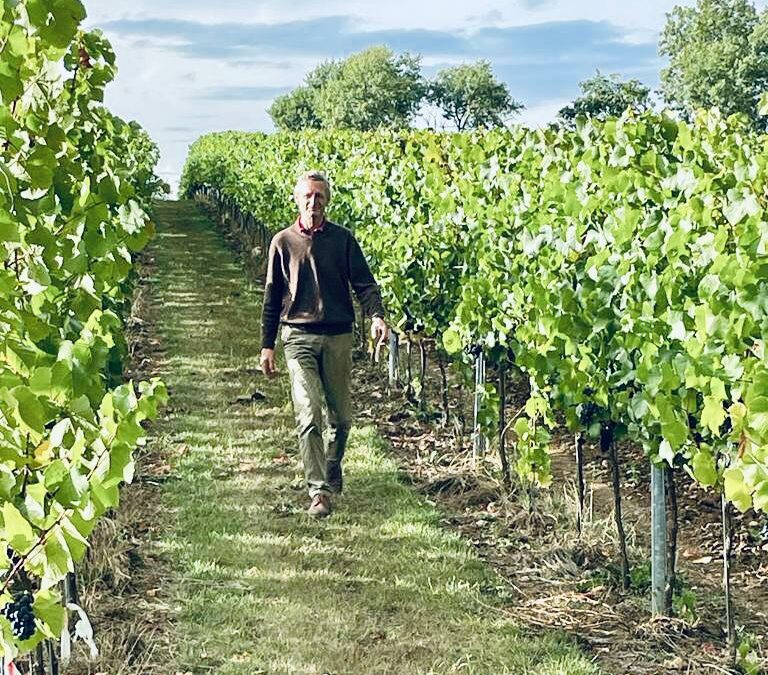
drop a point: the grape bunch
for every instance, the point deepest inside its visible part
(21, 616)
(588, 411)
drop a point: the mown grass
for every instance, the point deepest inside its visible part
(258, 586)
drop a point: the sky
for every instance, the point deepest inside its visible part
(189, 67)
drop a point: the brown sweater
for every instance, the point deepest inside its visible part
(308, 282)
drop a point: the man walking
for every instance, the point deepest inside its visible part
(312, 265)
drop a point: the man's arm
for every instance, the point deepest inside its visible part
(367, 292)
(364, 285)
(271, 309)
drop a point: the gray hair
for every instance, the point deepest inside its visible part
(314, 176)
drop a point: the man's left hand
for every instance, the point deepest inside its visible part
(379, 332)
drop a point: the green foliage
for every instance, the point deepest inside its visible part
(718, 56)
(748, 656)
(684, 605)
(622, 263)
(76, 181)
(373, 88)
(639, 578)
(470, 97)
(298, 109)
(295, 110)
(605, 96)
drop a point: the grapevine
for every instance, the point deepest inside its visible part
(75, 185)
(620, 263)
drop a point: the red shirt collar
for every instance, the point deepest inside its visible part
(300, 227)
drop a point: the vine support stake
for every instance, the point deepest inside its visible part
(478, 440)
(393, 361)
(672, 531)
(506, 476)
(70, 589)
(579, 443)
(39, 660)
(422, 376)
(658, 540)
(52, 658)
(727, 521)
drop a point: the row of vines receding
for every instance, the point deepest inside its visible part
(620, 268)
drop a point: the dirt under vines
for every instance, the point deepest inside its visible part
(575, 583)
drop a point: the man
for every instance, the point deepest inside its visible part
(312, 265)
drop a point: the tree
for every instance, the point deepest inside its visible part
(298, 108)
(718, 56)
(295, 110)
(606, 96)
(370, 89)
(470, 96)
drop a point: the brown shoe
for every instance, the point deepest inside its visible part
(320, 506)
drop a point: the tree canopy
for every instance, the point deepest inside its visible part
(606, 96)
(370, 89)
(295, 110)
(718, 56)
(469, 96)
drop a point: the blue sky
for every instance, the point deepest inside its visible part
(189, 67)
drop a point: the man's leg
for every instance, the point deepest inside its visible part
(302, 354)
(335, 374)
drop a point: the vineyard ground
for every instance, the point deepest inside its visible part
(559, 580)
(563, 581)
(233, 577)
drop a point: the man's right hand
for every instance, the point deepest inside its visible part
(267, 362)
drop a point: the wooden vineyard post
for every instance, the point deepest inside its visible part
(39, 660)
(672, 532)
(393, 361)
(422, 376)
(608, 446)
(658, 540)
(505, 473)
(52, 658)
(71, 593)
(579, 443)
(730, 626)
(478, 439)
(443, 389)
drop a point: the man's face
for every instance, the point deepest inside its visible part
(311, 198)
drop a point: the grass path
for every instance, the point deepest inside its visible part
(256, 585)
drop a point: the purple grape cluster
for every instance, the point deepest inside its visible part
(21, 616)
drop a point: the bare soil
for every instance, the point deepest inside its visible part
(558, 578)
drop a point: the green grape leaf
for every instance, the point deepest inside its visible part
(713, 414)
(735, 488)
(19, 533)
(704, 467)
(30, 410)
(50, 611)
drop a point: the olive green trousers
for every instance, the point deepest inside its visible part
(319, 367)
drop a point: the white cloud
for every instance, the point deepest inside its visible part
(543, 113)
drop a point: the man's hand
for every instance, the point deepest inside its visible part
(379, 332)
(267, 362)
